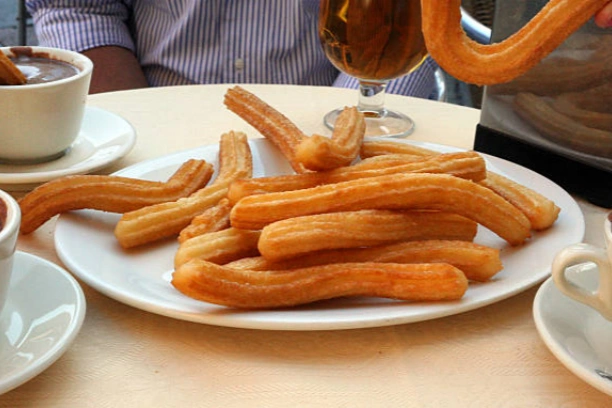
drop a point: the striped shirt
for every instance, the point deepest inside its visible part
(180, 42)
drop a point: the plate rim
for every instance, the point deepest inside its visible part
(129, 141)
(222, 320)
(71, 331)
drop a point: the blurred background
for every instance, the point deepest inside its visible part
(16, 29)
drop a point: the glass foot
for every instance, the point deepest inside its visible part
(378, 124)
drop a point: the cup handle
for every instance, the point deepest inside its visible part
(601, 299)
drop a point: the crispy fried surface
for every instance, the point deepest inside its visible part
(301, 235)
(478, 262)
(108, 193)
(9, 73)
(319, 153)
(158, 221)
(500, 62)
(272, 289)
(398, 191)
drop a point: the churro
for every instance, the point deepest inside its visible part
(9, 73)
(215, 218)
(324, 153)
(219, 247)
(468, 165)
(541, 212)
(372, 148)
(272, 124)
(500, 62)
(353, 229)
(221, 285)
(560, 128)
(478, 262)
(397, 191)
(166, 219)
(108, 193)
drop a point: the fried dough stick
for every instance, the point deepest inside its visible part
(478, 262)
(221, 285)
(219, 247)
(396, 191)
(353, 229)
(216, 218)
(319, 153)
(272, 124)
(9, 73)
(541, 211)
(468, 165)
(155, 222)
(108, 193)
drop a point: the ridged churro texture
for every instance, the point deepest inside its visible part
(541, 212)
(108, 193)
(500, 62)
(300, 235)
(272, 124)
(216, 218)
(468, 165)
(159, 221)
(398, 191)
(319, 153)
(9, 73)
(478, 262)
(236, 288)
(219, 247)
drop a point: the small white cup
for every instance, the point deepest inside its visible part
(600, 299)
(39, 122)
(8, 241)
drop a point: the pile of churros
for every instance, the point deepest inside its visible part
(358, 218)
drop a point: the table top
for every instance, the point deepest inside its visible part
(124, 357)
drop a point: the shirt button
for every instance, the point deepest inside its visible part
(239, 64)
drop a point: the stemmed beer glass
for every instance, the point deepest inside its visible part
(374, 41)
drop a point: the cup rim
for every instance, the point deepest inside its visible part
(13, 216)
(87, 66)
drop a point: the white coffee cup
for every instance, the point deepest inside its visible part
(39, 122)
(600, 299)
(8, 241)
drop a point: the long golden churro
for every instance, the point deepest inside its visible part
(272, 124)
(353, 229)
(397, 191)
(478, 262)
(469, 165)
(108, 193)
(500, 62)
(163, 220)
(221, 285)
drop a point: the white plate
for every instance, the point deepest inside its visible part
(104, 138)
(42, 316)
(85, 242)
(576, 334)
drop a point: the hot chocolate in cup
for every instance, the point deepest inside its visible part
(601, 298)
(10, 219)
(41, 119)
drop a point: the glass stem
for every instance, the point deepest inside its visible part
(372, 98)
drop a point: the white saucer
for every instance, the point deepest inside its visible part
(43, 315)
(576, 334)
(104, 138)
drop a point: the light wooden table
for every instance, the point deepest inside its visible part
(124, 357)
